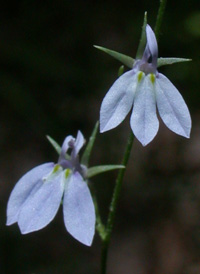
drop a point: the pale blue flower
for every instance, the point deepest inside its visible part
(143, 88)
(37, 196)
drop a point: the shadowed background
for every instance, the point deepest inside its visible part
(52, 81)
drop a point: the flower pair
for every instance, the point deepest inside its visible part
(37, 196)
(143, 88)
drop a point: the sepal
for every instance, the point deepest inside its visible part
(171, 60)
(56, 146)
(92, 171)
(121, 70)
(142, 39)
(125, 59)
(86, 155)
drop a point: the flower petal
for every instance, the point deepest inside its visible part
(152, 44)
(144, 121)
(64, 148)
(118, 101)
(172, 107)
(41, 207)
(78, 209)
(79, 142)
(28, 184)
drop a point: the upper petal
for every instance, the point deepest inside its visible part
(118, 101)
(78, 209)
(152, 44)
(144, 121)
(64, 148)
(79, 142)
(27, 185)
(41, 207)
(172, 107)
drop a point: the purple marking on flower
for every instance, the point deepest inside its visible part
(36, 197)
(144, 89)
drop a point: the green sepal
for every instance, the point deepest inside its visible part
(171, 60)
(92, 171)
(54, 144)
(121, 70)
(143, 39)
(86, 155)
(125, 59)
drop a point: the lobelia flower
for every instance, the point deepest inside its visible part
(143, 88)
(36, 197)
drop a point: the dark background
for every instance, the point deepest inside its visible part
(52, 81)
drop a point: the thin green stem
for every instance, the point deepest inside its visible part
(113, 205)
(160, 17)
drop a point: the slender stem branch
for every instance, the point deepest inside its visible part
(160, 17)
(113, 205)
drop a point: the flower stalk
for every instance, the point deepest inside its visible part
(159, 19)
(113, 205)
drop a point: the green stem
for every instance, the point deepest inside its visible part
(113, 205)
(160, 17)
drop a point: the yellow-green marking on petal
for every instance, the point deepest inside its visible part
(152, 78)
(140, 76)
(56, 168)
(67, 173)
